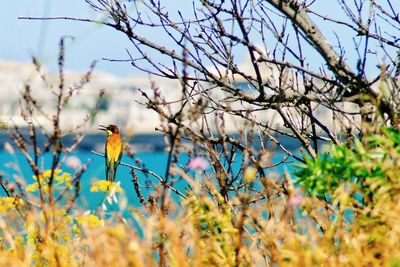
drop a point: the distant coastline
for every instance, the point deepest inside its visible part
(143, 142)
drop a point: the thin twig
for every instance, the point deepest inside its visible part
(146, 171)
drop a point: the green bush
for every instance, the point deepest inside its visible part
(367, 165)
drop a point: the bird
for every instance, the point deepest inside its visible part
(113, 150)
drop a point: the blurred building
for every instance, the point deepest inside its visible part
(123, 103)
(120, 105)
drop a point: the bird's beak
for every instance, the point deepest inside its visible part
(102, 128)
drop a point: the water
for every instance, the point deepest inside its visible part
(155, 161)
(15, 165)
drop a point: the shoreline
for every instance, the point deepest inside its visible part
(140, 142)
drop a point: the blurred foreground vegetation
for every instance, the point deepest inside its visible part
(345, 213)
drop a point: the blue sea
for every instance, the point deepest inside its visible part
(150, 152)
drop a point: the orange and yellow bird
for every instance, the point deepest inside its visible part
(113, 150)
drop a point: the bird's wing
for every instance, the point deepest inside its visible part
(114, 153)
(107, 161)
(114, 150)
(120, 153)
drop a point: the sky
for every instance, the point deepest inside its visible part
(22, 39)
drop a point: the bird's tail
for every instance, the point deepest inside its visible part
(111, 175)
(112, 172)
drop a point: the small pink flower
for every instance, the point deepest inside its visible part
(198, 163)
(295, 201)
(73, 162)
